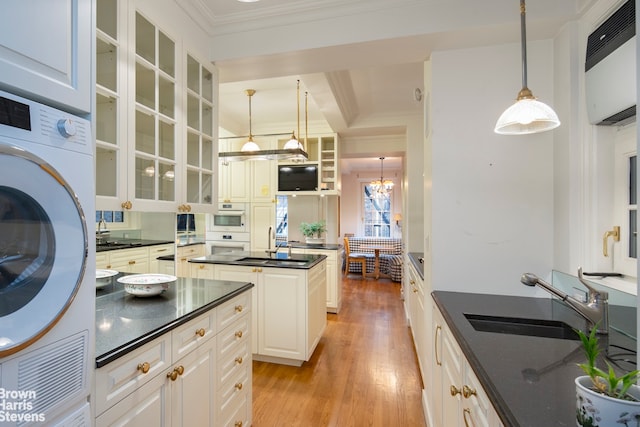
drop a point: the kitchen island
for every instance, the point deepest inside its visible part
(289, 299)
(528, 379)
(179, 358)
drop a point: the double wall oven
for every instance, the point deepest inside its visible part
(228, 229)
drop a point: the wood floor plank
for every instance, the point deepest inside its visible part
(363, 373)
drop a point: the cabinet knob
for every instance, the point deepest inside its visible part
(176, 373)
(412, 282)
(238, 360)
(238, 424)
(126, 205)
(454, 390)
(239, 308)
(200, 332)
(238, 334)
(144, 367)
(414, 290)
(201, 266)
(467, 391)
(132, 262)
(238, 386)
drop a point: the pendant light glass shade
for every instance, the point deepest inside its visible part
(527, 115)
(293, 143)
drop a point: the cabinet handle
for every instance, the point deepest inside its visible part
(176, 373)
(454, 390)
(109, 266)
(465, 412)
(435, 344)
(467, 391)
(412, 282)
(238, 424)
(239, 334)
(126, 205)
(200, 332)
(144, 367)
(239, 308)
(238, 386)
(201, 266)
(132, 262)
(238, 360)
(415, 290)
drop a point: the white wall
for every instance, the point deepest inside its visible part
(491, 195)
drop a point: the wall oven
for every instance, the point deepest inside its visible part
(230, 217)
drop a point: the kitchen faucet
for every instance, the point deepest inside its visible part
(269, 250)
(595, 310)
(100, 231)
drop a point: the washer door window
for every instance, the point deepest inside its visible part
(43, 248)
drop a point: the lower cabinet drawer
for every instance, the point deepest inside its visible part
(233, 309)
(234, 400)
(123, 376)
(189, 336)
(237, 359)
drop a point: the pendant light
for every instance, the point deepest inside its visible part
(381, 186)
(250, 145)
(293, 143)
(527, 115)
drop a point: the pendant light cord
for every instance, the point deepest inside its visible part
(523, 42)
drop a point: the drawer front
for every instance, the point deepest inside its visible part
(237, 359)
(233, 334)
(126, 374)
(160, 250)
(122, 256)
(233, 309)
(102, 260)
(234, 400)
(189, 336)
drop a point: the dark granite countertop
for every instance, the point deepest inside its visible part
(125, 322)
(529, 380)
(236, 258)
(115, 244)
(415, 257)
(303, 245)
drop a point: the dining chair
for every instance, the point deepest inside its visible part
(359, 258)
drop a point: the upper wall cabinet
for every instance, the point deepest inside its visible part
(323, 152)
(47, 55)
(156, 123)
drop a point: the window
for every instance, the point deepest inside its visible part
(625, 202)
(377, 212)
(282, 218)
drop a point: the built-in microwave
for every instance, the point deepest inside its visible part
(230, 217)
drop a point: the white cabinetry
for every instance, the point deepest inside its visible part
(461, 400)
(47, 55)
(263, 216)
(135, 260)
(155, 118)
(184, 254)
(289, 313)
(323, 152)
(177, 379)
(415, 297)
(155, 265)
(233, 177)
(334, 279)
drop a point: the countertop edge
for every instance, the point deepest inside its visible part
(116, 353)
(506, 416)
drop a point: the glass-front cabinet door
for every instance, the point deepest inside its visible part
(200, 150)
(153, 155)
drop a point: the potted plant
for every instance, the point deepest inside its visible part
(313, 231)
(604, 398)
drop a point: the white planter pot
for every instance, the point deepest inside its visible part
(315, 240)
(597, 410)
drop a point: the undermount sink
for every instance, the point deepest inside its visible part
(520, 326)
(273, 262)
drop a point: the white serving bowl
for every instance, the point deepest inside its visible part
(104, 277)
(146, 285)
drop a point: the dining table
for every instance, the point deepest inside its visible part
(376, 252)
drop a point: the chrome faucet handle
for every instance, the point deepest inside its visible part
(593, 292)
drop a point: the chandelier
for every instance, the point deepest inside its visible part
(381, 186)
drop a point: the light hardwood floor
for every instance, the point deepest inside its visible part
(364, 371)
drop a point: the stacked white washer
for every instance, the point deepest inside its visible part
(47, 278)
